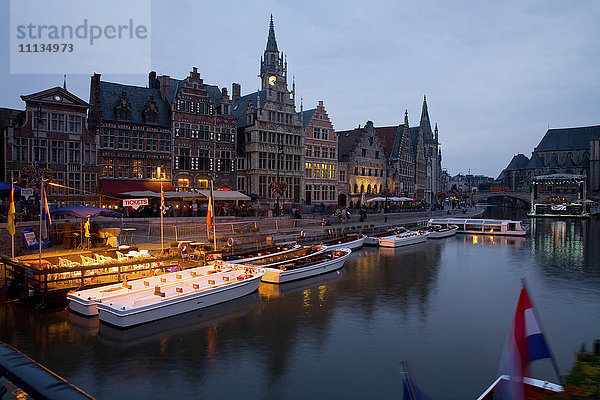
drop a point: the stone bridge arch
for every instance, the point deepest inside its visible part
(523, 197)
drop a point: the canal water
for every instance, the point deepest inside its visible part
(445, 306)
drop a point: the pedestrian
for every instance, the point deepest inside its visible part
(195, 209)
(344, 216)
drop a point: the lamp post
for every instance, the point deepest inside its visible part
(162, 209)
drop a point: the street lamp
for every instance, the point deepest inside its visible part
(162, 209)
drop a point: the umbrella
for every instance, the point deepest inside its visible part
(376, 199)
(401, 199)
(86, 212)
(5, 189)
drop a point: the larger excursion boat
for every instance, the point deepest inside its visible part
(286, 256)
(351, 242)
(163, 301)
(482, 226)
(304, 267)
(403, 239)
(84, 302)
(252, 255)
(373, 239)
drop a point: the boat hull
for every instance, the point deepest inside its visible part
(442, 234)
(274, 275)
(371, 241)
(482, 226)
(395, 241)
(353, 245)
(179, 305)
(537, 386)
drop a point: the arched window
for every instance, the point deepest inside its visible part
(369, 188)
(362, 188)
(356, 188)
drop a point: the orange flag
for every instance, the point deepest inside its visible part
(209, 214)
(10, 222)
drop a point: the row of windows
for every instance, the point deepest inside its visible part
(58, 151)
(320, 192)
(195, 107)
(368, 171)
(274, 137)
(320, 170)
(124, 139)
(321, 152)
(57, 122)
(322, 133)
(136, 168)
(369, 189)
(366, 153)
(293, 186)
(287, 162)
(287, 118)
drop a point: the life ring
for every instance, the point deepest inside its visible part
(230, 242)
(302, 233)
(331, 231)
(182, 247)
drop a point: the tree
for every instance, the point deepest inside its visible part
(33, 176)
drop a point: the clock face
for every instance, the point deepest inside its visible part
(57, 98)
(272, 80)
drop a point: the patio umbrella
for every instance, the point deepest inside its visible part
(5, 189)
(85, 212)
(376, 199)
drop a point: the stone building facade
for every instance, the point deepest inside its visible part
(432, 155)
(52, 133)
(203, 131)
(361, 149)
(594, 178)
(270, 134)
(321, 157)
(133, 125)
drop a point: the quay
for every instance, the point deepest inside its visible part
(64, 270)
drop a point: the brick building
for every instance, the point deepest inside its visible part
(320, 159)
(51, 133)
(270, 133)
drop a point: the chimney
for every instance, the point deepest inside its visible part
(165, 82)
(224, 93)
(194, 74)
(320, 103)
(236, 91)
(95, 106)
(152, 81)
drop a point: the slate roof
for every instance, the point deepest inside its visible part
(138, 97)
(414, 135)
(535, 162)
(306, 116)
(241, 105)
(387, 137)
(553, 162)
(568, 138)
(271, 42)
(518, 162)
(346, 141)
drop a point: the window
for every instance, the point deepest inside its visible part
(152, 142)
(262, 186)
(271, 161)
(108, 138)
(39, 150)
(262, 160)
(342, 176)
(57, 122)
(42, 121)
(123, 139)
(376, 154)
(364, 152)
(57, 152)
(89, 182)
(224, 160)
(74, 124)
(89, 154)
(203, 160)
(165, 143)
(137, 168)
(108, 168)
(204, 132)
(74, 181)
(137, 140)
(371, 141)
(73, 152)
(241, 184)
(309, 171)
(184, 158)
(317, 133)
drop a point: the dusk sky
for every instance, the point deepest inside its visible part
(496, 74)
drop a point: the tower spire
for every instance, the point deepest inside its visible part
(271, 42)
(424, 123)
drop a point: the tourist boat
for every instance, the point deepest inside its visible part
(351, 242)
(439, 231)
(304, 267)
(85, 301)
(286, 256)
(262, 253)
(526, 343)
(373, 240)
(403, 239)
(163, 301)
(482, 226)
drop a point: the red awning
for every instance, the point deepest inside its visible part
(114, 187)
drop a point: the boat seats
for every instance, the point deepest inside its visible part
(178, 276)
(196, 286)
(158, 292)
(146, 283)
(179, 290)
(225, 279)
(163, 280)
(211, 281)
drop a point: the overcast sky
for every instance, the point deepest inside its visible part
(496, 74)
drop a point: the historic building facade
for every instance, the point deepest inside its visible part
(133, 125)
(203, 131)
(432, 156)
(361, 149)
(270, 134)
(320, 157)
(52, 133)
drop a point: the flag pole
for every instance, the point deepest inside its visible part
(539, 321)
(41, 209)
(212, 199)
(12, 237)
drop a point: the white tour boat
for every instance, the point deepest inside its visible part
(167, 300)
(482, 226)
(403, 239)
(252, 255)
(351, 242)
(84, 301)
(439, 232)
(304, 267)
(373, 240)
(286, 256)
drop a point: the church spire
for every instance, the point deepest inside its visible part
(271, 42)
(425, 124)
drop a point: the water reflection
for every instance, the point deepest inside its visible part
(491, 240)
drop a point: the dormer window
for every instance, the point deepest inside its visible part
(150, 112)
(123, 108)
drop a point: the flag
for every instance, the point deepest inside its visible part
(10, 221)
(162, 200)
(525, 343)
(47, 221)
(209, 214)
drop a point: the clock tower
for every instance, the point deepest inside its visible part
(273, 68)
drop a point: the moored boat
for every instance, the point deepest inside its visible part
(286, 256)
(252, 255)
(85, 301)
(373, 240)
(439, 232)
(482, 226)
(304, 267)
(351, 242)
(403, 239)
(168, 300)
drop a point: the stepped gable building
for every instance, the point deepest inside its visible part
(133, 125)
(270, 133)
(361, 149)
(52, 133)
(561, 151)
(320, 157)
(203, 131)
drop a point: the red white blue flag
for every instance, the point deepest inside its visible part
(525, 343)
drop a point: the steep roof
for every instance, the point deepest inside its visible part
(518, 161)
(271, 42)
(387, 137)
(535, 162)
(138, 97)
(307, 116)
(414, 135)
(568, 138)
(346, 141)
(241, 105)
